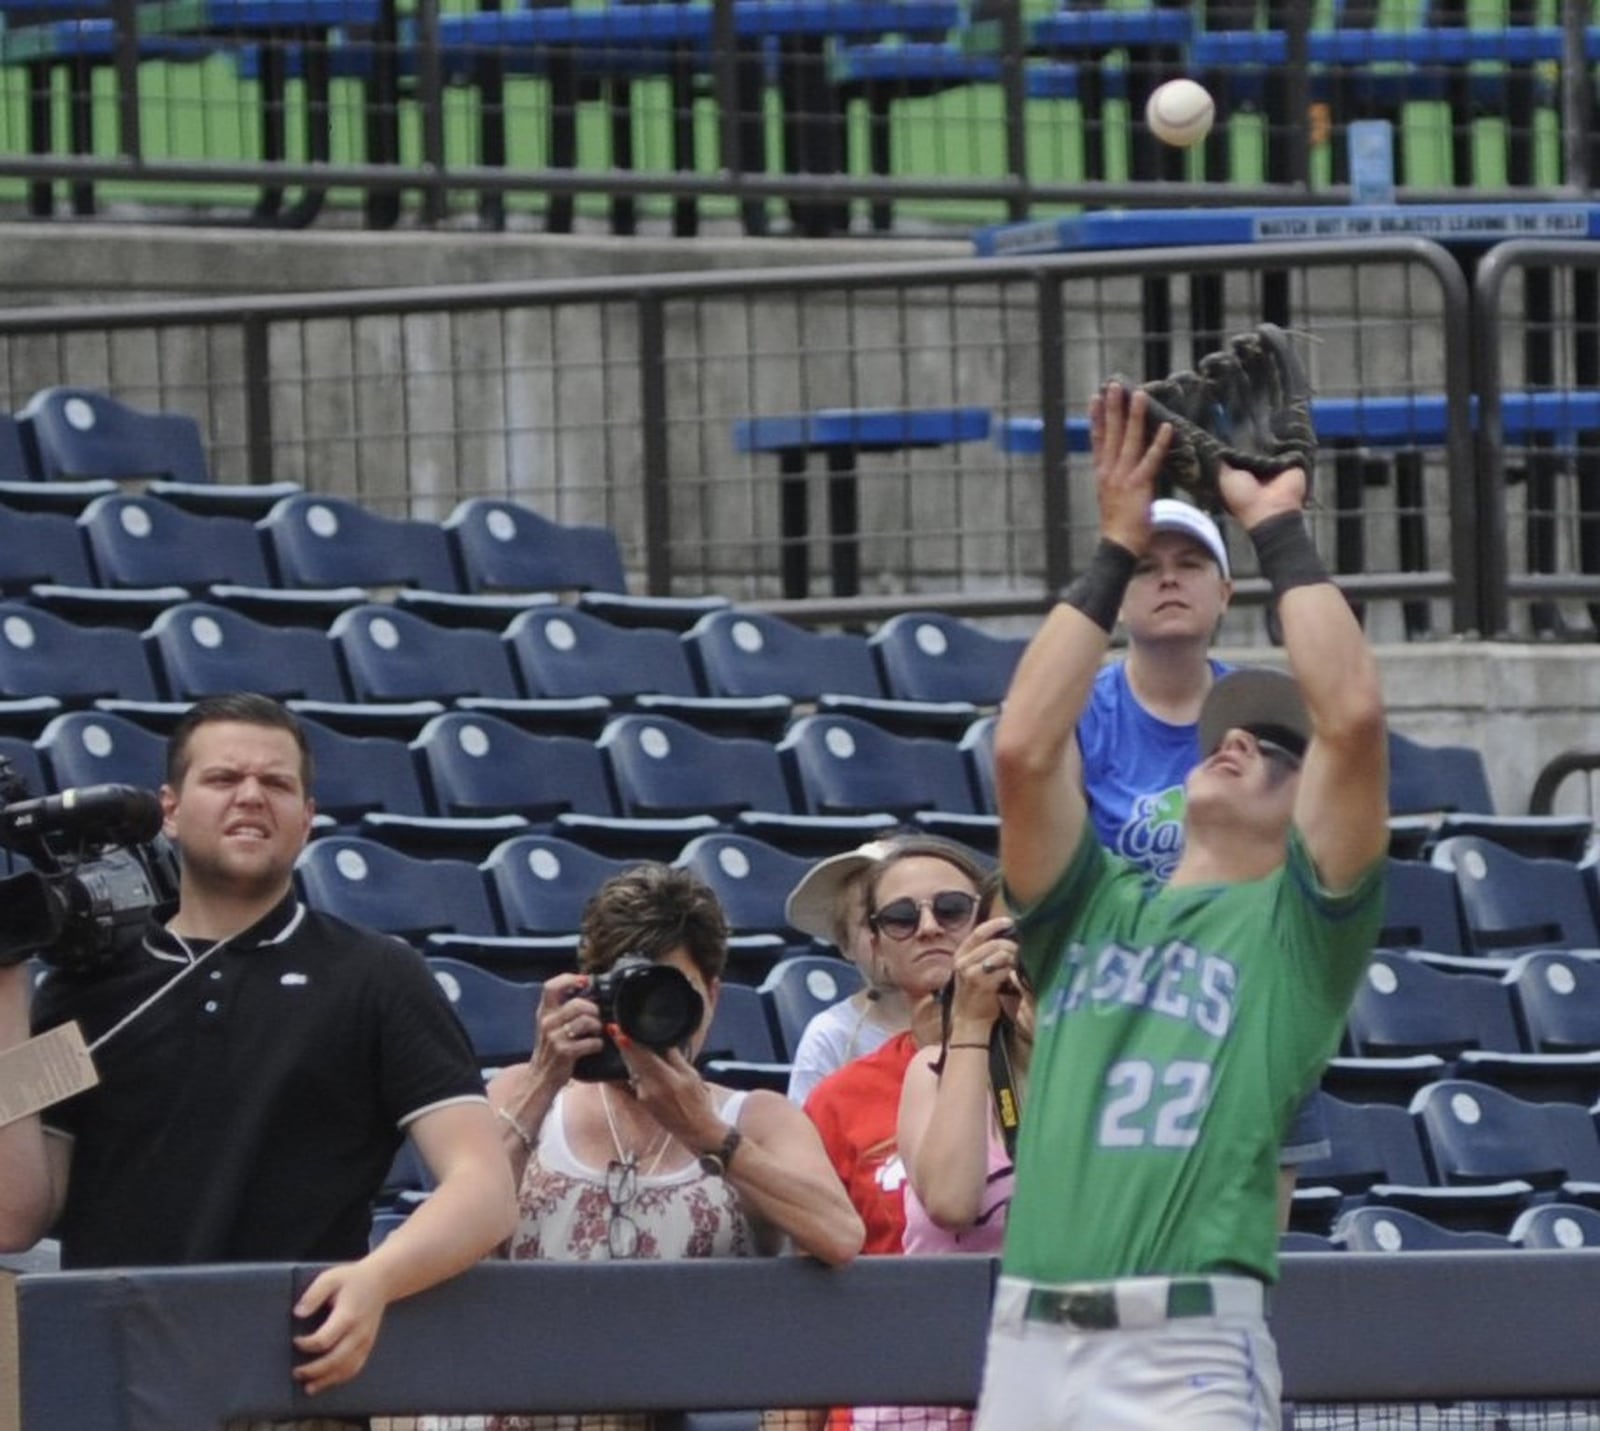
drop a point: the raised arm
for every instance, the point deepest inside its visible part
(33, 1164)
(1342, 806)
(1042, 809)
(944, 1117)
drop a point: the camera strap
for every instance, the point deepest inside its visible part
(1003, 1085)
(161, 993)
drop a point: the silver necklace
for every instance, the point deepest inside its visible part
(631, 1159)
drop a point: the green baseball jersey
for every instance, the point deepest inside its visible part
(1178, 1030)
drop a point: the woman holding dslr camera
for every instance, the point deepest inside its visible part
(621, 1150)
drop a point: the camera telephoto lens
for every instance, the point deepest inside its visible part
(658, 1007)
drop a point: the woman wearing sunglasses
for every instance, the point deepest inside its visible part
(922, 902)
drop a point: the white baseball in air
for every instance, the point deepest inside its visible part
(1180, 113)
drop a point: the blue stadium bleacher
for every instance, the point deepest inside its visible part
(499, 1015)
(390, 655)
(37, 547)
(139, 541)
(543, 883)
(926, 656)
(199, 648)
(1476, 1135)
(317, 540)
(79, 433)
(1511, 904)
(422, 901)
(93, 748)
(1384, 1229)
(843, 765)
(43, 655)
(751, 879)
(565, 653)
(801, 986)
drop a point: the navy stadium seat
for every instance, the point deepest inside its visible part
(371, 884)
(1476, 1135)
(1557, 997)
(199, 648)
(1556, 1227)
(1422, 909)
(499, 1015)
(43, 655)
(1369, 1143)
(751, 879)
(140, 541)
(37, 547)
(564, 652)
(390, 655)
(481, 765)
(504, 546)
(1429, 779)
(77, 433)
(1384, 1229)
(926, 656)
(358, 775)
(800, 987)
(91, 748)
(846, 765)
(664, 767)
(15, 464)
(739, 1050)
(1511, 904)
(324, 541)
(1403, 1006)
(977, 746)
(543, 883)
(751, 653)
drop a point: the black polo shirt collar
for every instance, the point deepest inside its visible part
(274, 927)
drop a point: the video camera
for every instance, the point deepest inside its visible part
(99, 873)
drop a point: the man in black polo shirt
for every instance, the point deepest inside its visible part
(268, 1063)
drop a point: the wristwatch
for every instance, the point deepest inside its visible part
(715, 1165)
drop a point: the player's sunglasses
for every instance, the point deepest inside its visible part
(901, 918)
(1286, 760)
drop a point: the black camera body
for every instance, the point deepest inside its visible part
(99, 873)
(653, 1004)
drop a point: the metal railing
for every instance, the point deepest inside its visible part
(617, 400)
(391, 98)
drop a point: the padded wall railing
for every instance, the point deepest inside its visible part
(681, 409)
(140, 1350)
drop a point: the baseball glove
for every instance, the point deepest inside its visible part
(1188, 402)
(1249, 406)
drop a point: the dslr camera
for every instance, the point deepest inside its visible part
(654, 1004)
(98, 873)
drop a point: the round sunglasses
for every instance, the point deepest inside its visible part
(901, 918)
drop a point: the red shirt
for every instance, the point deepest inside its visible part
(857, 1110)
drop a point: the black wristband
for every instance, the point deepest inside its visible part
(1097, 591)
(1285, 554)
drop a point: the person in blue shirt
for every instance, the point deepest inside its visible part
(1138, 740)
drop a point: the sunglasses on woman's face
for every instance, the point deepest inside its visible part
(901, 918)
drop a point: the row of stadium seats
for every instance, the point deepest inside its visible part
(1463, 1153)
(732, 668)
(1548, 1227)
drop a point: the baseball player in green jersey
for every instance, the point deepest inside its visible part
(1178, 1025)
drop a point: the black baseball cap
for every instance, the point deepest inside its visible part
(1263, 701)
